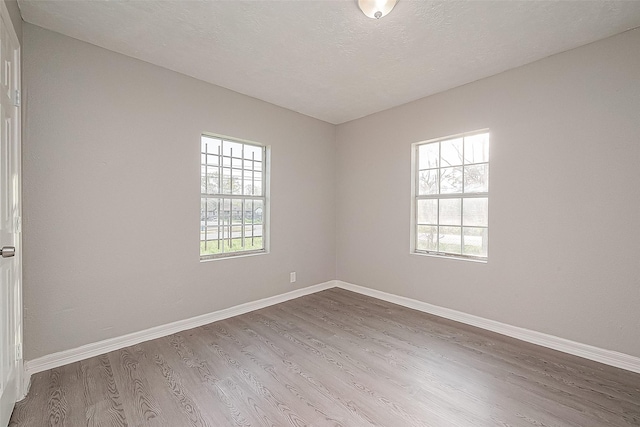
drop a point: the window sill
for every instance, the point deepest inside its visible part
(453, 257)
(232, 256)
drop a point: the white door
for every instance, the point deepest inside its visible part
(10, 221)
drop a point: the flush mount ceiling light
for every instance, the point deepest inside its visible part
(376, 9)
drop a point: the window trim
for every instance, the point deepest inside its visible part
(266, 172)
(415, 197)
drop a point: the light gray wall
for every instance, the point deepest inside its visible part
(16, 17)
(564, 239)
(111, 195)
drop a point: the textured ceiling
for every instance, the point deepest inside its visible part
(326, 59)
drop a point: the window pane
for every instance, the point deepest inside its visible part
(209, 225)
(428, 182)
(427, 238)
(476, 178)
(203, 217)
(210, 247)
(203, 179)
(232, 149)
(237, 211)
(209, 159)
(208, 212)
(475, 241)
(210, 234)
(248, 213)
(209, 180)
(252, 152)
(476, 211)
(236, 181)
(476, 148)
(258, 243)
(450, 212)
(257, 183)
(428, 156)
(236, 233)
(225, 232)
(233, 244)
(248, 185)
(225, 211)
(210, 145)
(226, 181)
(451, 180)
(248, 231)
(213, 204)
(428, 211)
(254, 243)
(450, 240)
(257, 212)
(451, 152)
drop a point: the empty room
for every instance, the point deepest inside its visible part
(319, 213)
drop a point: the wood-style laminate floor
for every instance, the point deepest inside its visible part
(334, 358)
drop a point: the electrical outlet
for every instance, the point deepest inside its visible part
(292, 276)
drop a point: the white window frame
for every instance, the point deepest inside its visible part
(415, 196)
(266, 166)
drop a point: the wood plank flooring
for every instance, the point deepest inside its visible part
(334, 358)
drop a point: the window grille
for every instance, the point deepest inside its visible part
(233, 208)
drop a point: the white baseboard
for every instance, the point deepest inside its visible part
(62, 358)
(608, 357)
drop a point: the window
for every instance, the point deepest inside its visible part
(450, 214)
(233, 197)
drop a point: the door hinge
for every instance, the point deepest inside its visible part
(17, 100)
(19, 352)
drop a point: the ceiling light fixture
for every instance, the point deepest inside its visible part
(376, 9)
